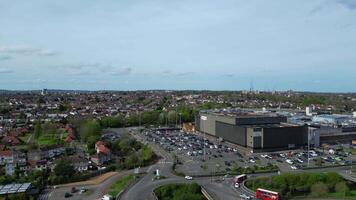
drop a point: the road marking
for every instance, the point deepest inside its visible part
(149, 169)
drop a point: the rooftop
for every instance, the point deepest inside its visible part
(14, 188)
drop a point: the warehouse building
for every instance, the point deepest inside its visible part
(253, 130)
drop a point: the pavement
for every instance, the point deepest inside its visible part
(94, 192)
(219, 188)
(142, 190)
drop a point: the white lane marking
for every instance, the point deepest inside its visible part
(149, 169)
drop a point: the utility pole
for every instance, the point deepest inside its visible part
(176, 120)
(308, 145)
(139, 118)
(166, 120)
(203, 118)
(180, 120)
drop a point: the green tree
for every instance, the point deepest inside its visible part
(131, 161)
(318, 161)
(234, 167)
(38, 129)
(319, 189)
(147, 154)
(64, 171)
(341, 187)
(90, 130)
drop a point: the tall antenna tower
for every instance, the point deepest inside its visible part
(251, 86)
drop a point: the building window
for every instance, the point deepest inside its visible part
(257, 129)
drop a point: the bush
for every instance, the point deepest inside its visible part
(289, 184)
(319, 190)
(179, 192)
(341, 187)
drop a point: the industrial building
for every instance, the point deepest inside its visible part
(252, 130)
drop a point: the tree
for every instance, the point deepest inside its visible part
(318, 161)
(147, 154)
(172, 117)
(234, 166)
(319, 189)
(64, 171)
(90, 130)
(131, 161)
(342, 188)
(38, 129)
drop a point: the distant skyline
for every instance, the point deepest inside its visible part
(303, 45)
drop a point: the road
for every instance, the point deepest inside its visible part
(143, 189)
(94, 191)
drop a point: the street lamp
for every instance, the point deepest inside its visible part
(203, 118)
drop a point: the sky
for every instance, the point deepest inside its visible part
(305, 45)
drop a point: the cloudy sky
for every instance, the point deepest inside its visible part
(178, 44)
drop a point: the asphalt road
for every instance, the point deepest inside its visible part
(94, 191)
(142, 190)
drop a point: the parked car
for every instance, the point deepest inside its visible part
(67, 195)
(244, 196)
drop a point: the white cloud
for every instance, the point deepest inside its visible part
(5, 71)
(5, 58)
(121, 71)
(26, 50)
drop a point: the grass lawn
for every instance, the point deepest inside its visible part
(121, 184)
(340, 195)
(25, 138)
(48, 140)
(64, 135)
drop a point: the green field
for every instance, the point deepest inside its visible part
(121, 184)
(48, 140)
(25, 138)
(341, 195)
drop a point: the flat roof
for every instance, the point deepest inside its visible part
(242, 114)
(14, 188)
(280, 125)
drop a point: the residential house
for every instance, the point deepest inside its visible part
(10, 140)
(6, 157)
(103, 154)
(80, 164)
(10, 169)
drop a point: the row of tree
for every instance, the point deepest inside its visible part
(150, 118)
(132, 153)
(179, 191)
(294, 184)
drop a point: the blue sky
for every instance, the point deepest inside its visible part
(178, 44)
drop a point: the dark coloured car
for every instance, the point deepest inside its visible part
(67, 195)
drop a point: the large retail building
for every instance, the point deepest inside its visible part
(252, 130)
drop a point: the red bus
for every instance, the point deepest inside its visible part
(263, 194)
(240, 178)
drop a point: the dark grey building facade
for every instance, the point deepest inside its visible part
(256, 131)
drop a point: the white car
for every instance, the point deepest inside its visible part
(293, 167)
(244, 196)
(252, 161)
(289, 162)
(188, 178)
(107, 197)
(299, 160)
(236, 185)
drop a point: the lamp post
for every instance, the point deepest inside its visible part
(203, 118)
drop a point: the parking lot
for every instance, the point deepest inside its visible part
(200, 155)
